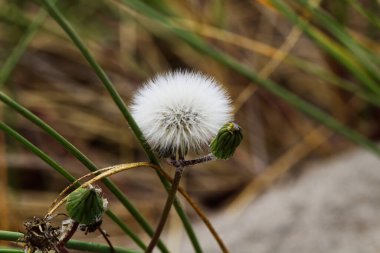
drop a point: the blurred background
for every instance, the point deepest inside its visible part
(334, 65)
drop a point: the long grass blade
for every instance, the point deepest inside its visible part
(55, 13)
(372, 18)
(72, 244)
(81, 157)
(365, 58)
(38, 152)
(17, 52)
(271, 86)
(52, 163)
(341, 54)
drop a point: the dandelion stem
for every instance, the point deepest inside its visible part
(168, 205)
(185, 163)
(105, 235)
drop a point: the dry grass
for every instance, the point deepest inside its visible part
(53, 81)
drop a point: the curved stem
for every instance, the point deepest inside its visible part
(60, 19)
(67, 236)
(165, 212)
(52, 163)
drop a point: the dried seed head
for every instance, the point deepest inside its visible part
(40, 235)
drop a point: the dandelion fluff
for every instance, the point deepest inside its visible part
(181, 111)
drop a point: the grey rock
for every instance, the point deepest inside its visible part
(333, 207)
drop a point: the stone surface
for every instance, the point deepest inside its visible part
(333, 207)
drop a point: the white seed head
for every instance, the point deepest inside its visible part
(181, 111)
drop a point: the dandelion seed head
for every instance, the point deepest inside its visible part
(181, 111)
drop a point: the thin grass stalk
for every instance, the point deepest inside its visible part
(38, 152)
(83, 159)
(258, 47)
(339, 32)
(19, 49)
(67, 145)
(330, 46)
(271, 86)
(52, 163)
(104, 172)
(55, 13)
(8, 15)
(72, 244)
(372, 18)
(8, 250)
(332, 79)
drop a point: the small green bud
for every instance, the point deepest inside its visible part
(226, 141)
(86, 205)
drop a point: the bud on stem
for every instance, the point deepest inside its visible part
(226, 141)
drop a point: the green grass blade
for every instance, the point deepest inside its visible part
(271, 86)
(9, 14)
(332, 79)
(72, 244)
(329, 77)
(126, 229)
(8, 250)
(330, 46)
(372, 18)
(55, 13)
(52, 163)
(38, 152)
(80, 156)
(17, 52)
(365, 58)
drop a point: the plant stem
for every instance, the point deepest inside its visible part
(56, 14)
(67, 236)
(168, 205)
(278, 90)
(20, 48)
(185, 163)
(52, 163)
(6, 250)
(72, 244)
(105, 236)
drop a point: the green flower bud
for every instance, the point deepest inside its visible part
(86, 205)
(226, 141)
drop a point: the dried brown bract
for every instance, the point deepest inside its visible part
(40, 235)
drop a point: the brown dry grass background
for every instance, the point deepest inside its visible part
(53, 80)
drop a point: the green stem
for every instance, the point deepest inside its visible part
(82, 158)
(167, 207)
(365, 58)
(60, 19)
(38, 152)
(291, 98)
(126, 229)
(52, 163)
(72, 244)
(6, 250)
(185, 163)
(341, 54)
(19, 49)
